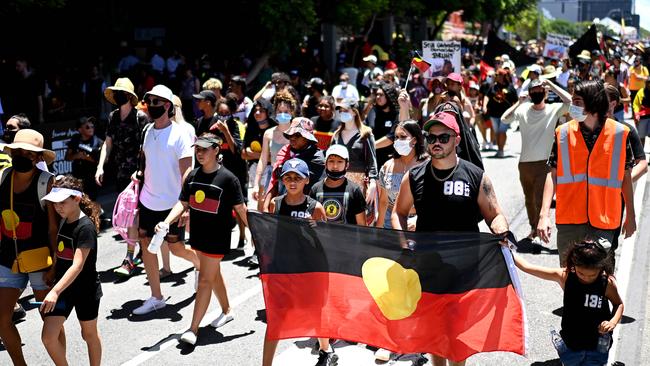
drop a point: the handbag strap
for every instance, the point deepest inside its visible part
(12, 214)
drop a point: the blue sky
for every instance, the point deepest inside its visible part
(643, 9)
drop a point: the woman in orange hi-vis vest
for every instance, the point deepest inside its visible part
(591, 165)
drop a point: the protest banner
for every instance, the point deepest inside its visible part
(444, 57)
(557, 46)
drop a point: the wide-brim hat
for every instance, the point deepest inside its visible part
(123, 85)
(585, 55)
(303, 126)
(550, 72)
(30, 140)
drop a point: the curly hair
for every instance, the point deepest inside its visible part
(392, 93)
(90, 208)
(284, 96)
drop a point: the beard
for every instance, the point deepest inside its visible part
(440, 153)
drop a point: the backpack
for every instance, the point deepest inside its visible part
(126, 210)
(43, 180)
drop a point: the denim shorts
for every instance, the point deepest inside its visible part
(583, 358)
(9, 279)
(498, 126)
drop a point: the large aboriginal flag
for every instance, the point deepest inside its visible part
(450, 294)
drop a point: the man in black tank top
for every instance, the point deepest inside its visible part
(449, 193)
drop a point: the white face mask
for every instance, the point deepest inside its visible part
(344, 84)
(577, 113)
(403, 147)
(345, 117)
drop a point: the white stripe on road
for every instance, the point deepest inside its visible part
(173, 340)
(624, 264)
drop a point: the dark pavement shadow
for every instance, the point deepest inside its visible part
(627, 320)
(234, 254)
(559, 311)
(505, 156)
(261, 316)
(171, 311)
(554, 362)
(178, 278)
(208, 336)
(526, 245)
(110, 276)
(246, 263)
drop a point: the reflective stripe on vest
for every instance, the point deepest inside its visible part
(566, 177)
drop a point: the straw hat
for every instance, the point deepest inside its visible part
(550, 72)
(585, 55)
(30, 140)
(124, 85)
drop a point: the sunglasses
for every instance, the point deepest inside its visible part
(155, 102)
(323, 106)
(443, 138)
(89, 127)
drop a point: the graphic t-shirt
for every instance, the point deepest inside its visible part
(73, 235)
(211, 197)
(83, 168)
(342, 203)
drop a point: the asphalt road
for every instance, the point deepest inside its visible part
(153, 339)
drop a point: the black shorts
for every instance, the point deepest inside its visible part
(212, 247)
(86, 307)
(148, 219)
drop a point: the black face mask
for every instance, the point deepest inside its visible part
(536, 98)
(335, 175)
(21, 164)
(120, 98)
(8, 137)
(451, 93)
(156, 112)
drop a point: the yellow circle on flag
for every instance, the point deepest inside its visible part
(10, 219)
(61, 246)
(199, 196)
(256, 147)
(395, 289)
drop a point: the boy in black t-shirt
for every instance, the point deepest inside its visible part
(342, 199)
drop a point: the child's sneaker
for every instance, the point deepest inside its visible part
(126, 269)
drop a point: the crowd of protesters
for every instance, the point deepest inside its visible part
(371, 141)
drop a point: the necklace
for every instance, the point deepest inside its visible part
(445, 178)
(160, 131)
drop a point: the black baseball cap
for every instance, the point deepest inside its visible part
(207, 95)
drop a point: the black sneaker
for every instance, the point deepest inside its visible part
(327, 359)
(19, 313)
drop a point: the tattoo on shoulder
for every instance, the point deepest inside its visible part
(487, 188)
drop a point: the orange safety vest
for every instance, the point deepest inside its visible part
(589, 184)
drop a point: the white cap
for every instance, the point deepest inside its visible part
(535, 68)
(371, 58)
(58, 194)
(162, 92)
(338, 150)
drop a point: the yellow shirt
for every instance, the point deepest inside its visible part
(635, 82)
(5, 161)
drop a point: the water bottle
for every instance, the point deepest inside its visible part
(603, 342)
(158, 238)
(558, 342)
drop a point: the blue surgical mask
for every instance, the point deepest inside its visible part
(283, 118)
(577, 113)
(345, 117)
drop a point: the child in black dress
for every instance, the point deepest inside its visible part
(77, 284)
(589, 287)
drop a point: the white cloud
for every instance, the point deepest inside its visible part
(643, 9)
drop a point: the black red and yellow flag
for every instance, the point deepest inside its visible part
(449, 294)
(421, 64)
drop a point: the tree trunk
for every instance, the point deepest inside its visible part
(438, 26)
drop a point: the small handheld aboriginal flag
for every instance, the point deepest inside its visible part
(421, 64)
(450, 294)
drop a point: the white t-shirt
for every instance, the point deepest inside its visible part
(537, 129)
(162, 176)
(349, 93)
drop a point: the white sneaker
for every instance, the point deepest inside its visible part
(189, 337)
(382, 354)
(222, 320)
(149, 305)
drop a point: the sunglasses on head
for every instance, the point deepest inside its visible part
(443, 138)
(154, 102)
